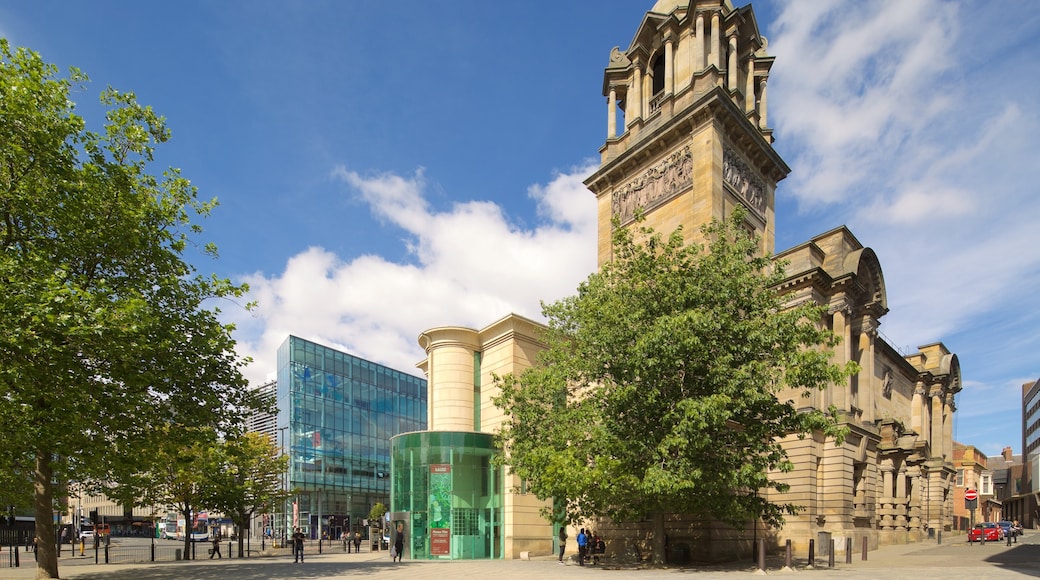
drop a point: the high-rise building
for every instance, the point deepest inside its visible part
(263, 422)
(336, 415)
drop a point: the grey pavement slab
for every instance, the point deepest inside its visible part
(954, 559)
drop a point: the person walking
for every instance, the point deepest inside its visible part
(398, 553)
(216, 545)
(357, 542)
(583, 544)
(297, 538)
(563, 541)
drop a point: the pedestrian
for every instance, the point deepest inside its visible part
(583, 544)
(216, 545)
(357, 542)
(345, 538)
(563, 541)
(598, 547)
(398, 551)
(297, 539)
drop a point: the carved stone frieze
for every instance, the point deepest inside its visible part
(654, 186)
(744, 182)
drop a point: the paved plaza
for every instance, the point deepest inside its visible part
(954, 559)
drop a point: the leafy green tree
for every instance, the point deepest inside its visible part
(375, 515)
(657, 392)
(247, 480)
(106, 329)
(180, 474)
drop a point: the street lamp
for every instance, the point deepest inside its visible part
(285, 485)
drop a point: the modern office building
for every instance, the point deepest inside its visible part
(336, 415)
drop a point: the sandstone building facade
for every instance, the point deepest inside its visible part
(688, 140)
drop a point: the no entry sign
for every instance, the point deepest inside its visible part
(971, 495)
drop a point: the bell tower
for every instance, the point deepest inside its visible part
(687, 131)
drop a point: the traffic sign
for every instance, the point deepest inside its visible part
(971, 495)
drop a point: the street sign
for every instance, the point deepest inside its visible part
(971, 495)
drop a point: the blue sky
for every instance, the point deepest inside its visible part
(387, 167)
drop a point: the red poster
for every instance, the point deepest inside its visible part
(440, 542)
(440, 468)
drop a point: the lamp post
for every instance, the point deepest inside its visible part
(285, 486)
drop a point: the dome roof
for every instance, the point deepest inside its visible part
(668, 6)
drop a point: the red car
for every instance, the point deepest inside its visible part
(993, 532)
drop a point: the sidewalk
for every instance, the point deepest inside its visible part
(954, 559)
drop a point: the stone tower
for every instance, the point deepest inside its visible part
(687, 129)
(688, 140)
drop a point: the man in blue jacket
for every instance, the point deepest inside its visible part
(583, 542)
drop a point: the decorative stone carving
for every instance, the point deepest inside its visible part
(655, 186)
(886, 383)
(744, 182)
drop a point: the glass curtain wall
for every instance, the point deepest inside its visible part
(336, 414)
(448, 493)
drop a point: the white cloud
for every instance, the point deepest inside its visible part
(914, 123)
(472, 267)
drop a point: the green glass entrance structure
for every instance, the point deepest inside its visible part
(448, 494)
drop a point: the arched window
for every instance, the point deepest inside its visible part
(658, 74)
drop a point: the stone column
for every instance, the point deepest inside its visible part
(866, 373)
(635, 92)
(749, 85)
(886, 511)
(732, 64)
(698, 44)
(669, 77)
(842, 355)
(915, 498)
(763, 119)
(887, 468)
(937, 422)
(715, 47)
(948, 410)
(612, 114)
(901, 497)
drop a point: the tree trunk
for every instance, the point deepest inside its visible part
(243, 529)
(658, 555)
(188, 525)
(43, 512)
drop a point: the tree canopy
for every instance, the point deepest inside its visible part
(657, 392)
(247, 480)
(107, 333)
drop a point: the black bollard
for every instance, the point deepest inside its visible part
(848, 550)
(939, 537)
(830, 557)
(789, 559)
(864, 548)
(812, 553)
(17, 564)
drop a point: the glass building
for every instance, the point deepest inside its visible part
(336, 415)
(447, 495)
